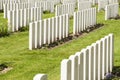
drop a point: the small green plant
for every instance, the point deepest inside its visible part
(4, 31)
(46, 12)
(24, 28)
(1, 11)
(3, 66)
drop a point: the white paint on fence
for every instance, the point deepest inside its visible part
(84, 5)
(50, 30)
(65, 9)
(40, 77)
(22, 17)
(84, 19)
(111, 11)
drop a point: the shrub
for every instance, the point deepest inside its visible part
(24, 28)
(1, 11)
(46, 12)
(4, 31)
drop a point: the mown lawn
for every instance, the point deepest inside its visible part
(25, 63)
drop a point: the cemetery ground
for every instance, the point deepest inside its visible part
(14, 52)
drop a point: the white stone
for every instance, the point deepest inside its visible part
(80, 65)
(66, 69)
(9, 20)
(67, 25)
(40, 77)
(74, 67)
(31, 36)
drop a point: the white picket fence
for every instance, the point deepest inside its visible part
(15, 6)
(84, 5)
(84, 19)
(65, 9)
(102, 4)
(48, 31)
(22, 17)
(91, 63)
(111, 11)
(46, 5)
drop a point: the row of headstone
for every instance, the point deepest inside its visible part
(93, 2)
(65, 9)
(68, 1)
(53, 1)
(102, 4)
(113, 1)
(1, 6)
(84, 5)
(56, 1)
(111, 11)
(10, 1)
(22, 17)
(33, 1)
(46, 5)
(83, 20)
(91, 63)
(2, 2)
(15, 6)
(48, 31)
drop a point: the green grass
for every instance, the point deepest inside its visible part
(3, 26)
(25, 63)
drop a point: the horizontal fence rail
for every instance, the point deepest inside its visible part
(48, 31)
(84, 19)
(111, 11)
(21, 18)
